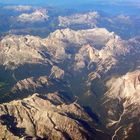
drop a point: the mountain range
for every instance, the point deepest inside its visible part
(81, 80)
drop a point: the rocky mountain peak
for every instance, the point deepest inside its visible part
(40, 117)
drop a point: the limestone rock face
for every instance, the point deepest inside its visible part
(56, 72)
(43, 84)
(18, 50)
(97, 36)
(128, 87)
(85, 55)
(36, 16)
(48, 117)
(63, 45)
(31, 83)
(89, 18)
(122, 100)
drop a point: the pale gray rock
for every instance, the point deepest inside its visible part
(40, 15)
(93, 45)
(18, 50)
(89, 18)
(56, 72)
(31, 83)
(40, 117)
(122, 102)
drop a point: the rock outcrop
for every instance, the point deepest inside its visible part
(122, 102)
(36, 16)
(89, 18)
(63, 45)
(31, 84)
(46, 117)
(18, 50)
(39, 83)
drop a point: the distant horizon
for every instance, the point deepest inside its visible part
(71, 2)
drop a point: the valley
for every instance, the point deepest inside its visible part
(69, 74)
